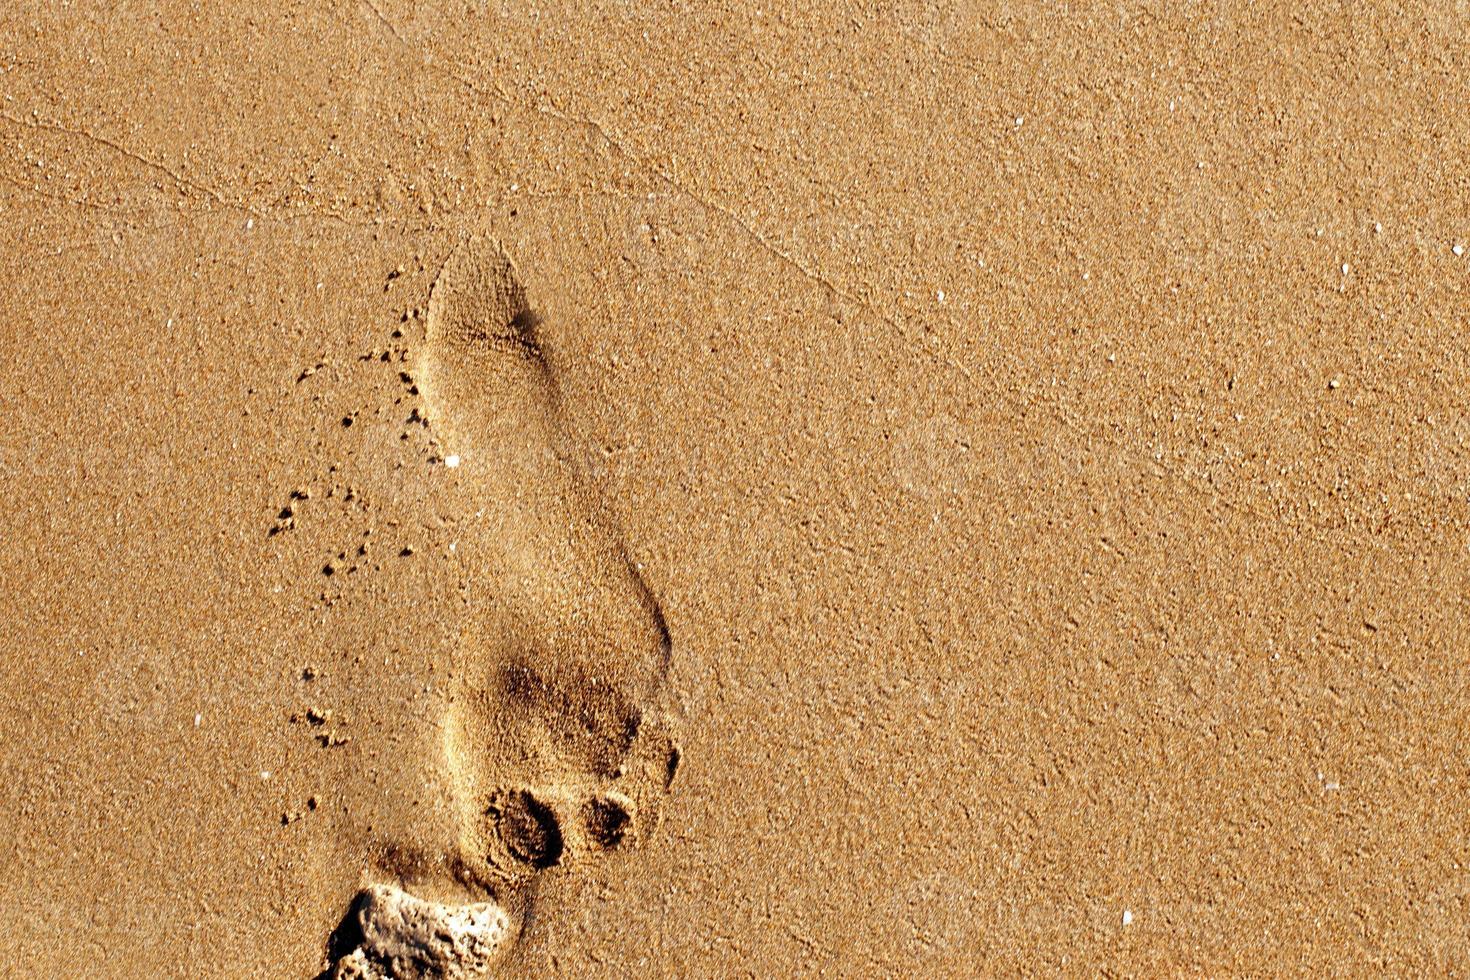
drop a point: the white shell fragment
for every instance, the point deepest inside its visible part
(407, 938)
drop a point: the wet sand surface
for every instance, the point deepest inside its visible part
(1042, 435)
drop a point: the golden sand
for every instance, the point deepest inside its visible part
(864, 490)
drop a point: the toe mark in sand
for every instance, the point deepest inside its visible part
(528, 827)
(607, 819)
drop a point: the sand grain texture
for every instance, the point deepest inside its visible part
(966, 491)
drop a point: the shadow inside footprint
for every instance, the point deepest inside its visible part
(528, 827)
(607, 819)
(589, 717)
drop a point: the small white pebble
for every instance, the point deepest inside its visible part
(1458, 249)
(1333, 787)
(1377, 227)
(940, 294)
(249, 222)
(451, 461)
(197, 719)
(265, 774)
(1345, 268)
(1019, 121)
(1127, 917)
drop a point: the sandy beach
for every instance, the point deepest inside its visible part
(721, 490)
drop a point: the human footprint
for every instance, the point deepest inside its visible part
(558, 739)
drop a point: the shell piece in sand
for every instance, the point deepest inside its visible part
(407, 938)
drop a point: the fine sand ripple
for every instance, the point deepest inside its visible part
(558, 742)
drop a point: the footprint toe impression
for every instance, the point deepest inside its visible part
(529, 828)
(608, 819)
